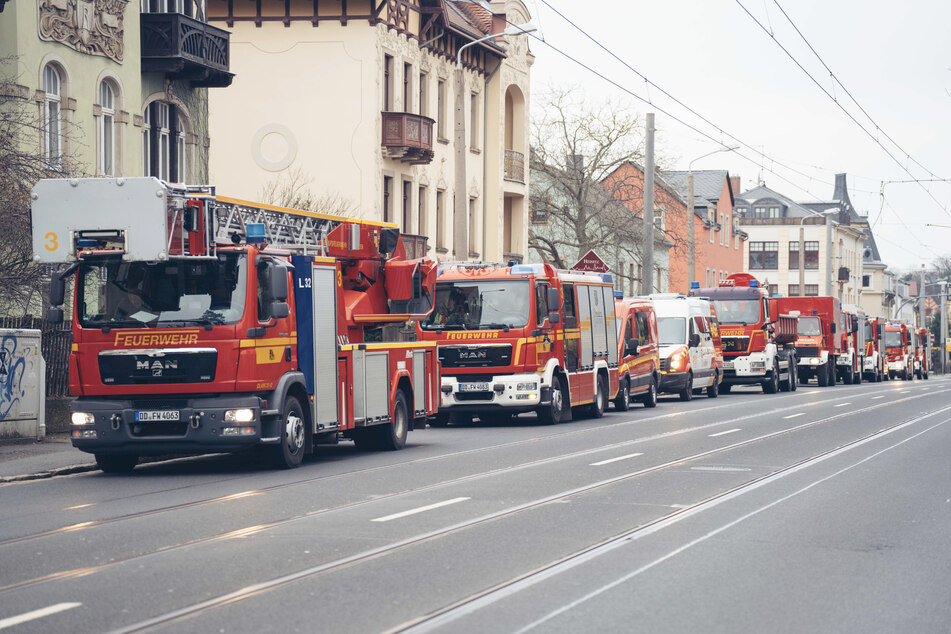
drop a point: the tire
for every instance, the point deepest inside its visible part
(848, 376)
(441, 419)
(713, 390)
(771, 385)
(392, 435)
(786, 386)
(793, 378)
(290, 451)
(552, 413)
(858, 375)
(596, 409)
(822, 375)
(622, 402)
(686, 394)
(925, 376)
(116, 463)
(650, 398)
(726, 388)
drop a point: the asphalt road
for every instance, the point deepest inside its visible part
(826, 509)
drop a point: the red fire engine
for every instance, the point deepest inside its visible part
(874, 367)
(898, 356)
(186, 338)
(922, 352)
(818, 346)
(522, 338)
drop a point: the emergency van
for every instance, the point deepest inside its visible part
(691, 356)
(639, 366)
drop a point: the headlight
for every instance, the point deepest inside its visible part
(814, 361)
(239, 415)
(82, 418)
(527, 387)
(758, 365)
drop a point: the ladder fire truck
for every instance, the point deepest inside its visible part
(187, 339)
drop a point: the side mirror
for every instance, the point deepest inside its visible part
(278, 282)
(55, 315)
(694, 340)
(631, 346)
(190, 218)
(552, 298)
(554, 318)
(279, 310)
(57, 290)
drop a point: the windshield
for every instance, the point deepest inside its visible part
(893, 339)
(480, 305)
(809, 326)
(208, 291)
(671, 331)
(737, 311)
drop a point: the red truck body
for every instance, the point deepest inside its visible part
(899, 351)
(922, 364)
(818, 345)
(874, 365)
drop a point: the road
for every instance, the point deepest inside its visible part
(826, 509)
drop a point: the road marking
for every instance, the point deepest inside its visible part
(814, 392)
(421, 509)
(843, 404)
(37, 614)
(904, 391)
(719, 469)
(794, 415)
(879, 396)
(609, 461)
(724, 433)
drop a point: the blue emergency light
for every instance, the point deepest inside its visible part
(85, 243)
(255, 233)
(695, 284)
(618, 295)
(754, 283)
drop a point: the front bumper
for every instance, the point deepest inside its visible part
(509, 392)
(201, 427)
(672, 382)
(746, 370)
(896, 366)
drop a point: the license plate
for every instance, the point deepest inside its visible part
(157, 416)
(727, 365)
(473, 387)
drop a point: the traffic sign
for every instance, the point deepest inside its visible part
(591, 261)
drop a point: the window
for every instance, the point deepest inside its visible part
(643, 329)
(424, 94)
(739, 210)
(812, 254)
(407, 215)
(440, 219)
(472, 227)
(866, 281)
(407, 87)
(387, 190)
(764, 255)
(52, 114)
(812, 290)
(712, 230)
(387, 83)
(793, 290)
(766, 211)
(107, 129)
(541, 303)
(568, 306)
(474, 121)
(441, 109)
(164, 142)
(726, 223)
(185, 7)
(422, 219)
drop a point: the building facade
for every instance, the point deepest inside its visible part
(362, 102)
(119, 89)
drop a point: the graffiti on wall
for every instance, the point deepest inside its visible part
(12, 369)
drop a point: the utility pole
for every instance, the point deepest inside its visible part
(460, 199)
(922, 318)
(691, 240)
(943, 328)
(830, 262)
(647, 242)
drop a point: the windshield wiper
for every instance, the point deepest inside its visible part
(503, 327)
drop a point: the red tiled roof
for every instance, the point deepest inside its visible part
(478, 15)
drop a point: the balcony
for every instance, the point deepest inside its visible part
(185, 48)
(416, 246)
(408, 137)
(514, 166)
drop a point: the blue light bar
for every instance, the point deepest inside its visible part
(606, 277)
(618, 295)
(695, 284)
(754, 283)
(255, 233)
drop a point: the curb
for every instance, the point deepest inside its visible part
(52, 473)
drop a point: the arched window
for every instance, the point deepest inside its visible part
(163, 144)
(107, 129)
(52, 114)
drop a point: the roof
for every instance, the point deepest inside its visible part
(762, 192)
(707, 184)
(476, 14)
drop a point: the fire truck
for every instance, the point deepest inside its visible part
(758, 341)
(897, 356)
(187, 339)
(922, 352)
(851, 361)
(818, 346)
(874, 367)
(523, 337)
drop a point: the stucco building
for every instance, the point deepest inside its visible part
(362, 101)
(119, 89)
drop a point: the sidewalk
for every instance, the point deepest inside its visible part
(27, 459)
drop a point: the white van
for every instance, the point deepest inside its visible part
(690, 354)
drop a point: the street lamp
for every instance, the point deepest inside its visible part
(513, 29)
(802, 248)
(691, 240)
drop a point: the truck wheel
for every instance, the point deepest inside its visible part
(713, 390)
(771, 385)
(847, 376)
(290, 451)
(596, 409)
(858, 378)
(551, 414)
(726, 388)
(116, 463)
(650, 399)
(687, 393)
(392, 435)
(822, 375)
(793, 378)
(622, 402)
(441, 419)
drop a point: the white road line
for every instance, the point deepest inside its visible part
(37, 614)
(904, 391)
(724, 433)
(720, 469)
(843, 404)
(421, 509)
(879, 396)
(814, 392)
(795, 415)
(609, 461)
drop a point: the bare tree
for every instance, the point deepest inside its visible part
(292, 190)
(22, 164)
(576, 146)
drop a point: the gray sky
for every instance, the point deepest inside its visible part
(894, 58)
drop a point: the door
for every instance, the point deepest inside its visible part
(325, 408)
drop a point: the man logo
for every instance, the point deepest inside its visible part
(156, 366)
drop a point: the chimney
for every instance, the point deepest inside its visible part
(499, 22)
(841, 190)
(735, 184)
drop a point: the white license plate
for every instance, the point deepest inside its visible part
(727, 365)
(474, 387)
(157, 415)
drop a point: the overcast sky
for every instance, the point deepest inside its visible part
(894, 58)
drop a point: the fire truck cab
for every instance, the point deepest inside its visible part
(898, 355)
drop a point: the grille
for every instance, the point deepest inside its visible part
(171, 367)
(665, 365)
(807, 351)
(735, 344)
(475, 356)
(474, 396)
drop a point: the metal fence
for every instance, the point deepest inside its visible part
(56, 342)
